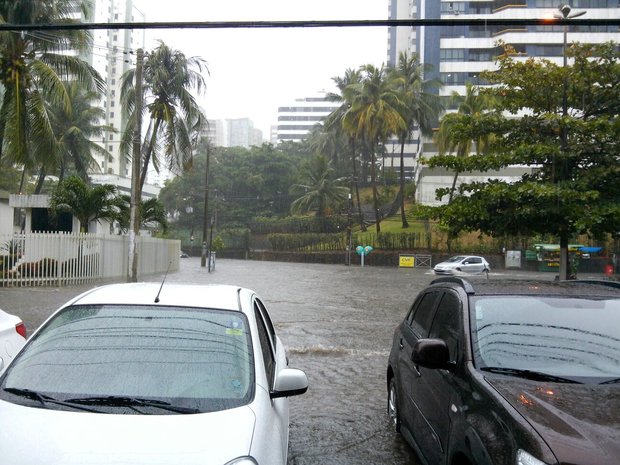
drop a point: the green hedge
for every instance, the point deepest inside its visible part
(334, 242)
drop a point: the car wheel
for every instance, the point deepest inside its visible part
(392, 406)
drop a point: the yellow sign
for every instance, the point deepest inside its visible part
(406, 261)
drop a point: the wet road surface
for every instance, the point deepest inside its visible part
(337, 324)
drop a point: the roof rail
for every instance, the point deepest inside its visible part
(464, 283)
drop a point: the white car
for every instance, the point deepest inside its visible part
(142, 373)
(12, 337)
(463, 264)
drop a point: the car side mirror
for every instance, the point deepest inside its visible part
(289, 382)
(432, 353)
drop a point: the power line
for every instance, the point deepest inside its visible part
(458, 21)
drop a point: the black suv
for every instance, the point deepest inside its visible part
(509, 373)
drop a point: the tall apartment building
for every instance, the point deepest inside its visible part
(458, 54)
(235, 132)
(297, 118)
(113, 53)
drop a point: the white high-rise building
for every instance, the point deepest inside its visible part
(235, 132)
(296, 119)
(113, 53)
(458, 54)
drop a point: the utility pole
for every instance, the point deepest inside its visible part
(134, 214)
(349, 231)
(205, 222)
(564, 13)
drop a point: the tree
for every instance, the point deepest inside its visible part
(152, 213)
(572, 187)
(32, 69)
(375, 113)
(86, 203)
(250, 182)
(175, 118)
(421, 108)
(76, 129)
(472, 103)
(349, 87)
(319, 189)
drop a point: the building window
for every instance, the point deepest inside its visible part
(452, 54)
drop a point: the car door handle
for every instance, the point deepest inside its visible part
(401, 346)
(417, 371)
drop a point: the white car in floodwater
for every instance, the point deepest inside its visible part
(142, 373)
(463, 264)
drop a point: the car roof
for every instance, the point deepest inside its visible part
(220, 296)
(570, 288)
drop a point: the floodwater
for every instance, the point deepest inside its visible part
(336, 322)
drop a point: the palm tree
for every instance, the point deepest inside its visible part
(375, 113)
(175, 118)
(152, 212)
(422, 106)
(320, 189)
(75, 132)
(32, 69)
(473, 103)
(86, 203)
(349, 87)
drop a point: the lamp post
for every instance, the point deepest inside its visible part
(564, 13)
(349, 230)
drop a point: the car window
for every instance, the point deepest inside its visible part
(266, 345)
(201, 358)
(423, 313)
(474, 260)
(446, 323)
(268, 323)
(562, 336)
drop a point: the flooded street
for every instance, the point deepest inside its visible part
(337, 324)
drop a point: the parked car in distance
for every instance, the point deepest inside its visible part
(509, 373)
(463, 264)
(12, 337)
(145, 373)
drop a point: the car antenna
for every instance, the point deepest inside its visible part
(162, 282)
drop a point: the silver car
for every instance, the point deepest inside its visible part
(135, 373)
(463, 264)
(12, 337)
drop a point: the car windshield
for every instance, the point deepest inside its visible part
(455, 259)
(561, 336)
(199, 359)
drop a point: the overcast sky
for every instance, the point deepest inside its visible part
(253, 71)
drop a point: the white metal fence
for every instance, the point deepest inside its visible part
(56, 259)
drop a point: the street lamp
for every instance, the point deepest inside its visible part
(349, 229)
(564, 13)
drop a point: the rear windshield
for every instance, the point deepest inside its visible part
(195, 358)
(571, 337)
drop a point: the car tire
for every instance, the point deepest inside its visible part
(393, 407)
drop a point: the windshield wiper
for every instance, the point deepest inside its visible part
(132, 402)
(529, 374)
(611, 381)
(45, 399)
